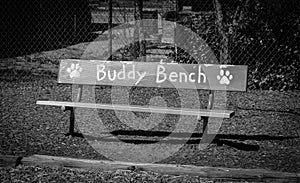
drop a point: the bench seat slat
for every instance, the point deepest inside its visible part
(155, 109)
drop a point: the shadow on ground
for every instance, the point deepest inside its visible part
(232, 140)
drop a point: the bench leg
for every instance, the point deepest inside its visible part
(72, 121)
(72, 115)
(205, 125)
(206, 138)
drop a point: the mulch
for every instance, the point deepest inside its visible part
(268, 121)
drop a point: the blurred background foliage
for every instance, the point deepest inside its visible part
(263, 34)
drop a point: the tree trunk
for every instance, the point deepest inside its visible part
(110, 29)
(139, 45)
(224, 52)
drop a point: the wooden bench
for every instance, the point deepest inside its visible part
(209, 77)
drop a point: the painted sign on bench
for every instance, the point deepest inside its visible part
(154, 74)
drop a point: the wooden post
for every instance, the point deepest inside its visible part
(223, 173)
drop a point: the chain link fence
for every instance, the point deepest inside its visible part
(262, 34)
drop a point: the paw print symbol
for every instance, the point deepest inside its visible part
(224, 77)
(74, 71)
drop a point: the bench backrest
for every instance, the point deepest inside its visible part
(154, 74)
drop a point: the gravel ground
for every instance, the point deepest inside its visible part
(46, 174)
(263, 119)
